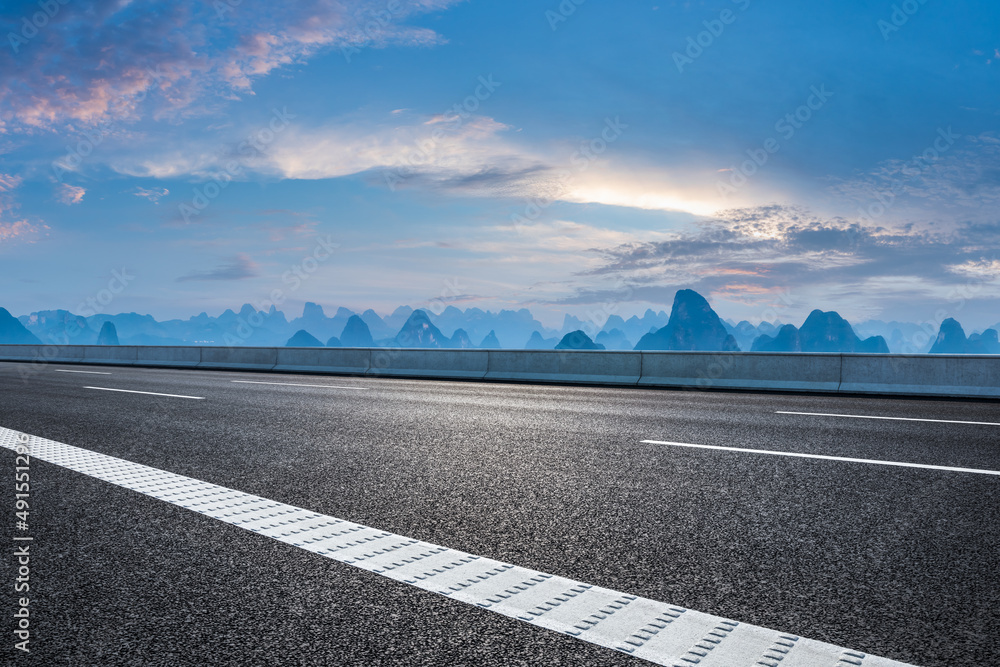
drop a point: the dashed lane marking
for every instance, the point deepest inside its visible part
(148, 393)
(661, 633)
(823, 457)
(66, 370)
(295, 384)
(901, 419)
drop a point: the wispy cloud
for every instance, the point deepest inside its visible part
(958, 183)
(70, 194)
(471, 156)
(14, 228)
(152, 194)
(239, 267)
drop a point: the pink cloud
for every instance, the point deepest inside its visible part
(70, 194)
(122, 60)
(22, 230)
(14, 230)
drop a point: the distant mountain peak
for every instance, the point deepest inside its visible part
(578, 340)
(303, 338)
(693, 325)
(356, 333)
(313, 311)
(12, 332)
(419, 331)
(108, 334)
(490, 342)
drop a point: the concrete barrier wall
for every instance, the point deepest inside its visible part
(907, 375)
(56, 354)
(115, 355)
(25, 352)
(741, 370)
(239, 358)
(344, 361)
(397, 362)
(922, 375)
(169, 357)
(586, 367)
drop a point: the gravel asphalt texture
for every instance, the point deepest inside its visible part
(898, 562)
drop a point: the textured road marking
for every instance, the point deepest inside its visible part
(148, 393)
(901, 419)
(66, 370)
(824, 458)
(656, 631)
(293, 384)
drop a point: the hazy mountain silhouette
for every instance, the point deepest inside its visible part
(745, 333)
(951, 340)
(314, 319)
(460, 340)
(334, 342)
(108, 334)
(899, 336)
(693, 325)
(509, 327)
(419, 331)
(356, 333)
(787, 340)
(490, 342)
(984, 343)
(614, 322)
(536, 342)
(376, 325)
(303, 338)
(398, 318)
(12, 332)
(571, 323)
(614, 339)
(577, 340)
(59, 327)
(636, 327)
(821, 332)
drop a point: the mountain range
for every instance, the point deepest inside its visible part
(691, 324)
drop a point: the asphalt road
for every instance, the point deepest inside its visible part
(893, 561)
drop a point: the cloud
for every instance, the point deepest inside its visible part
(457, 154)
(751, 255)
(14, 228)
(986, 269)
(112, 60)
(947, 182)
(20, 230)
(239, 268)
(152, 194)
(70, 194)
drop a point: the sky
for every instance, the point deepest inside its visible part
(572, 156)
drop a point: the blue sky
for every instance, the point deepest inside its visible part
(593, 157)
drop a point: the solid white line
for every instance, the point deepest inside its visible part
(655, 631)
(293, 384)
(825, 458)
(63, 370)
(148, 393)
(902, 419)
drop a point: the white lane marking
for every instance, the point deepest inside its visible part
(293, 384)
(823, 457)
(661, 633)
(902, 419)
(64, 370)
(148, 393)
